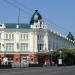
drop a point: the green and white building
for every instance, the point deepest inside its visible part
(28, 42)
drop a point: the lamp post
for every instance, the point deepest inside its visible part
(60, 53)
(51, 50)
(60, 58)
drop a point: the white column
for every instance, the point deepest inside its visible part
(46, 41)
(30, 44)
(35, 42)
(17, 36)
(16, 40)
(2, 41)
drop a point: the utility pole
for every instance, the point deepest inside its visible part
(19, 16)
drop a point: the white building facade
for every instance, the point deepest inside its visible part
(28, 42)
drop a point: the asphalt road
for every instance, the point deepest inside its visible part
(69, 70)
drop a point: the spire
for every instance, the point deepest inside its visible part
(35, 17)
(70, 36)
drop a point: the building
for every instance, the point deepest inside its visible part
(30, 43)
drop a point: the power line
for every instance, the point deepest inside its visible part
(14, 5)
(24, 6)
(57, 26)
(19, 16)
(52, 24)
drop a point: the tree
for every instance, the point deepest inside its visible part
(67, 55)
(70, 36)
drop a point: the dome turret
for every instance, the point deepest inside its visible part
(35, 17)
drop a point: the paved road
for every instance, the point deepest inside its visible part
(40, 71)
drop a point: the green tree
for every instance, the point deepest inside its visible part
(67, 55)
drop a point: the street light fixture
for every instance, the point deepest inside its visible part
(51, 50)
(60, 58)
(60, 53)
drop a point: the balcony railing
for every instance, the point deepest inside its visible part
(9, 39)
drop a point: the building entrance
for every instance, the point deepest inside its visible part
(41, 60)
(24, 59)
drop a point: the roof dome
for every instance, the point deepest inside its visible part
(35, 17)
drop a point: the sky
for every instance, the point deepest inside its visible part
(58, 14)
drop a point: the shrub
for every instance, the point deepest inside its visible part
(67, 55)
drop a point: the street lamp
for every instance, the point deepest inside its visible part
(60, 58)
(60, 53)
(51, 50)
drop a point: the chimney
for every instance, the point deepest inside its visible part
(17, 26)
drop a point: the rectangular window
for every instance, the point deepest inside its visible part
(21, 36)
(24, 36)
(12, 36)
(0, 35)
(49, 45)
(24, 46)
(9, 46)
(9, 36)
(6, 36)
(40, 47)
(40, 37)
(0, 46)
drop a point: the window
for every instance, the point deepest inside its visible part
(24, 46)
(24, 36)
(40, 47)
(49, 45)
(6, 36)
(0, 46)
(9, 46)
(40, 37)
(12, 36)
(27, 36)
(9, 36)
(0, 35)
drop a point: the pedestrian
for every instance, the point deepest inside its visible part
(0, 60)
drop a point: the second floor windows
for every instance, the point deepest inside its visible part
(40, 47)
(0, 35)
(40, 37)
(0, 46)
(9, 36)
(12, 36)
(23, 36)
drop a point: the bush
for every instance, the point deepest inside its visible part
(67, 55)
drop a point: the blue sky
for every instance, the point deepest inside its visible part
(59, 14)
